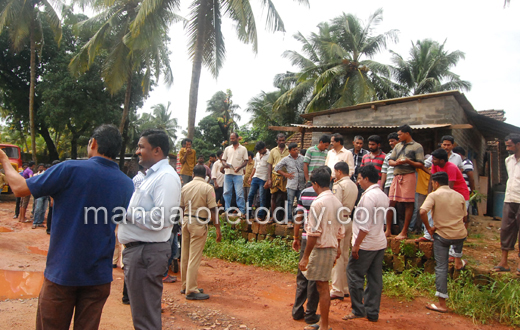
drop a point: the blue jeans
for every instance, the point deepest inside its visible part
(291, 193)
(237, 181)
(175, 251)
(39, 210)
(257, 184)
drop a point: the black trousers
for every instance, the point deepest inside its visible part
(219, 192)
(17, 207)
(305, 291)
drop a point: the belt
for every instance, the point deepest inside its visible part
(200, 218)
(132, 244)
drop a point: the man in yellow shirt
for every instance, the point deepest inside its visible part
(188, 159)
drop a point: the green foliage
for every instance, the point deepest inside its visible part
(275, 254)
(407, 249)
(428, 69)
(335, 67)
(208, 137)
(223, 109)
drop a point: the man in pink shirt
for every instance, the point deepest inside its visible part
(324, 233)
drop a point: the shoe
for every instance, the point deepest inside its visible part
(15, 217)
(169, 279)
(333, 297)
(197, 296)
(34, 226)
(125, 301)
(41, 225)
(313, 320)
(184, 291)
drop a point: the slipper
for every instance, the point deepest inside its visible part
(499, 269)
(434, 308)
(422, 239)
(313, 327)
(351, 316)
(464, 263)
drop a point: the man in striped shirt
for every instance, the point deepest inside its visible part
(358, 152)
(467, 168)
(376, 156)
(316, 156)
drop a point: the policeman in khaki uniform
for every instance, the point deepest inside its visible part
(196, 195)
(346, 191)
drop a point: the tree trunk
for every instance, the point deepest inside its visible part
(51, 146)
(31, 93)
(123, 126)
(196, 71)
(74, 147)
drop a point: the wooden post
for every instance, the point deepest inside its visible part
(302, 132)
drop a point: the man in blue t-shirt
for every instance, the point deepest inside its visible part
(89, 196)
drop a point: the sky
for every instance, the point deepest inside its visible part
(485, 31)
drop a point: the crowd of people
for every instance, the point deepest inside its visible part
(347, 202)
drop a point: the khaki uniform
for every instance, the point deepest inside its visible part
(278, 182)
(346, 191)
(194, 196)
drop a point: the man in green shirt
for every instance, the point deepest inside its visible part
(316, 156)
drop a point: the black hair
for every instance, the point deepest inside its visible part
(41, 164)
(55, 162)
(250, 154)
(342, 166)
(303, 152)
(292, 146)
(440, 154)
(188, 140)
(280, 135)
(25, 164)
(370, 172)
(448, 138)
(236, 135)
(259, 145)
(108, 139)
(183, 142)
(515, 138)
(325, 168)
(338, 138)
(375, 138)
(441, 177)
(358, 137)
(405, 129)
(158, 138)
(31, 163)
(200, 171)
(459, 150)
(212, 155)
(325, 138)
(199, 156)
(392, 135)
(47, 165)
(321, 178)
(220, 152)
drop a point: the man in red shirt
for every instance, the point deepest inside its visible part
(456, 180)
(376, 156)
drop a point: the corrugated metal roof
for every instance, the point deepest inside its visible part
(426, 126)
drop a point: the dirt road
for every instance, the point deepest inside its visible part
(242, 297)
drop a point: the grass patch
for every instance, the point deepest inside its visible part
(498, 301)
(276, 254)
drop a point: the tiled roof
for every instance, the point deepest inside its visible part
(495, 114)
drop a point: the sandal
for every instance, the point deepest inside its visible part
(422, 239)
(464, 263)
(434, 308)
(351, 316)
(500, 269)
(313, 327)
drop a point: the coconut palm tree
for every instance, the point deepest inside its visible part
(222, 108)
(163, 121)
(206, 41)
(135, 36)
(335, 66)
(428, 69)
(23, 20)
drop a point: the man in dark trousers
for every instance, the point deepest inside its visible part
(79, 261)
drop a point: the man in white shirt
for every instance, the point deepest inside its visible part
(511, 211)
(368, 247)
(146, 233)
(234, 159)
(259, 177)
(338, 153)
(218, 178)
(447, 143)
